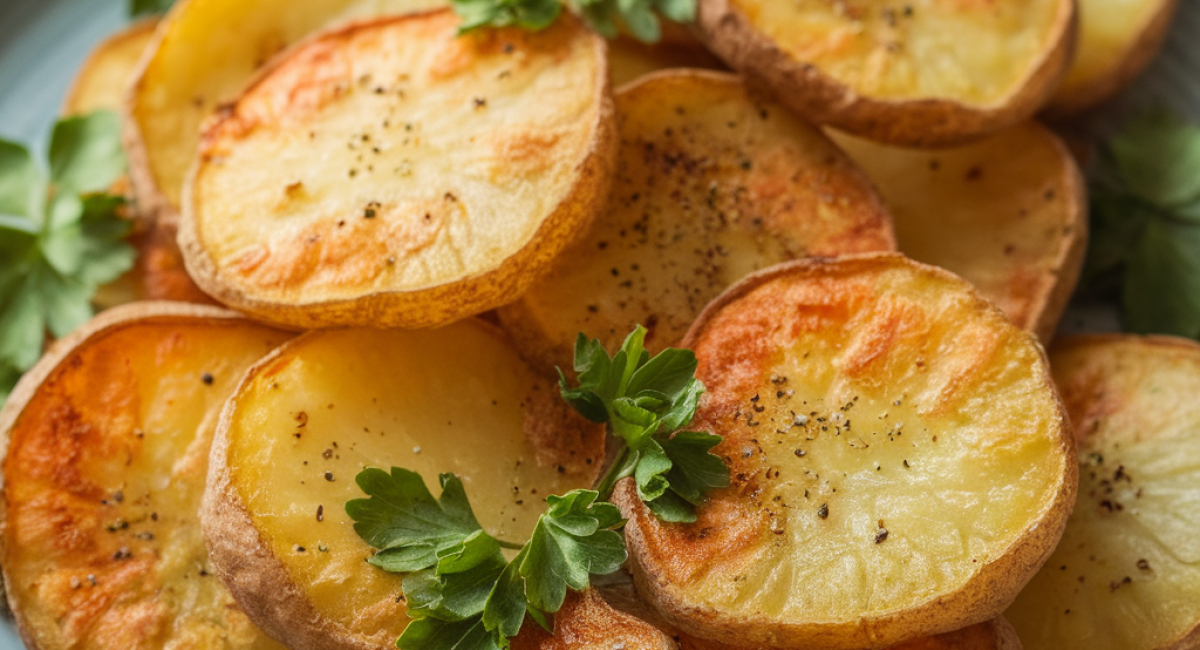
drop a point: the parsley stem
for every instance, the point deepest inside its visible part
(510, 545)
(622, 466)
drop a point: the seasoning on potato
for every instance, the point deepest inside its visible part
(393, 174)
(713, 183)
(108, 448)
(1127, 573)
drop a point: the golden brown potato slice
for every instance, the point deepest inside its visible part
(108, 440)
(996, 634)
(204, 56)
(392, 174)
(629, 58)
(1126, 575)
(1008, 213)
(918, 74)
(712, 184)
(900, 462)
(105, 77)
(309, 418)
(1117, 39)
(587, 622)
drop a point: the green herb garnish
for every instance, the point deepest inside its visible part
(60, 237)
(639, 16)
(1145, 212)
(462, 592)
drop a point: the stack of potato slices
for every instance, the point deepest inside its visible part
(445, 212)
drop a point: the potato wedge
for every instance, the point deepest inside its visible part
(1008, 213)
(205, 54)
(713, 183)
(629, 58)
(310, 417)
(431, 198)
(900, 461)
(105, 77)
(108, 440)
(1127, 573)
(1117, 40)
(921, 74)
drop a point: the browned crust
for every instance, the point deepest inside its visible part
(106, 323)
(243, 560)
(1140, 54)
(982, 597)
(1068, 264)
(914, 122)
(444, 303)
(587, 621)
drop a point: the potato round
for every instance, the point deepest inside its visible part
(1126, 575)
(996, 634)
(713, 183)
(392, 174)
(1117, 40)
(310, 417)
(108, 440)
(918, 74)
(588, 622)
(1007, 213)
(202, 58)
(900, 462)
(104, 78)
(629, 58)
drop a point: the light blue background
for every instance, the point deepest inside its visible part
(43, 42)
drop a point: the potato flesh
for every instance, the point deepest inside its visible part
(1001, 213)
(105, 76)
(712, 184)
(865, 400)
(629, 58)
(440, 157)
(103, 480)
(447, 400)
(972, 51)
(1109, 31)
(1126, 575)
(209, 51)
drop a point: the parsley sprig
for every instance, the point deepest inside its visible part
(604, 16)
(462, 591)
(1145, 212)
(61, 236)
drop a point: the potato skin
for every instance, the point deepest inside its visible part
(913, 123)
(983, 596)
(244, 562)
(438, 304)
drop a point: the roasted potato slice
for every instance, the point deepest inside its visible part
(918, 74)
(996, 634)
(108, 440)
(203, 57)
(310, 417)
(105, 76)
(588, 622)
(1126, 575)
(391, 174)
(1117, 39)
(1008, 213)
(712, 184)
(629, 58)
(900, 462)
